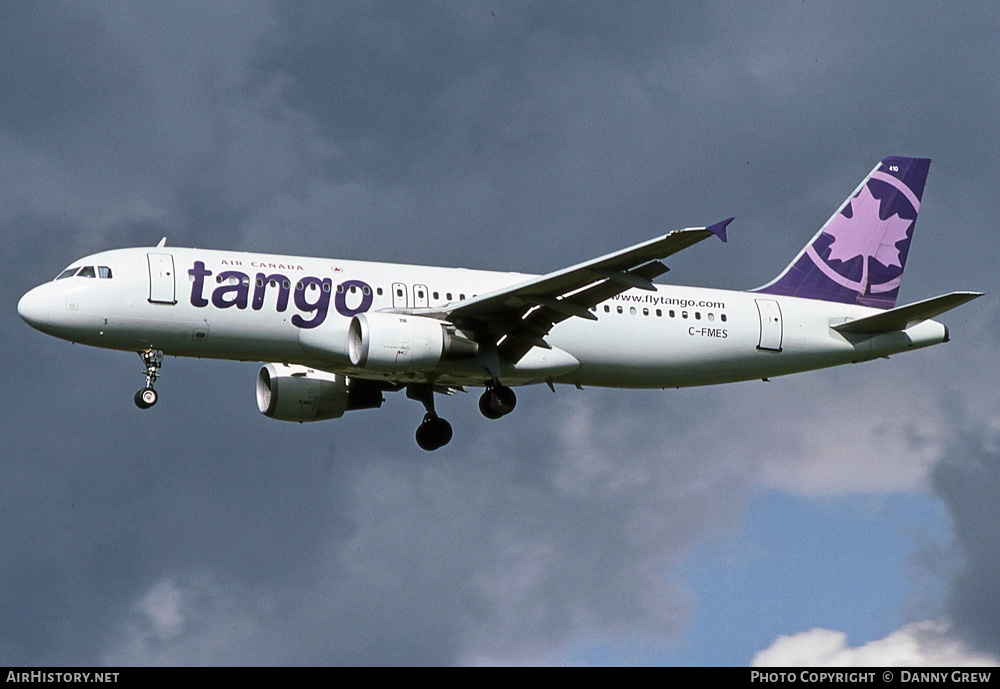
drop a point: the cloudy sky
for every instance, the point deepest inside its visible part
(846, 516)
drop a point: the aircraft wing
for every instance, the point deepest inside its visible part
(519, 317)
(902, 317)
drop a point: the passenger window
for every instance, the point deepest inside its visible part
(619, 309)
(104, 272)
(723, 317)
(631, 311)
(87, 272)
(607, 309)
(645, 312)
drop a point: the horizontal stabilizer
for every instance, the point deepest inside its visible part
(902, 317)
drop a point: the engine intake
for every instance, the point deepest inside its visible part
(297, 393)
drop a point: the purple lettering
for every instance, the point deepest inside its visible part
(340, 301)
(239, 290)
(312, 294)
(321, 306)
(262, 282)
(198, 273)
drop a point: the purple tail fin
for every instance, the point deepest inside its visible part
(857, 257)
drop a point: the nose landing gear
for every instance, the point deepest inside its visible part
(152, 360)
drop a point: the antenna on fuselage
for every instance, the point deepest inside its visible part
(163, 243)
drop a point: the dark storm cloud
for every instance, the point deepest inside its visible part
(498, 551)
(58, 64)
(397, 82)
(521, 136)
(523, 115)
(131, 121)
(968, 480)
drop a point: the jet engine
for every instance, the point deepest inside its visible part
(392, 342)
(297, 393)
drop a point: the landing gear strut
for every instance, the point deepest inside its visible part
(498, 400)
(433, 432)
(152, 360)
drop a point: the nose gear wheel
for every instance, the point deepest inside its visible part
(152, 360)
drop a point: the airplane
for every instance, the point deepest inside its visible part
(339, 333)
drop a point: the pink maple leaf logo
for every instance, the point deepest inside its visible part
(865, 234)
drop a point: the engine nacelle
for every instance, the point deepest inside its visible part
(297, 393)
(392, 342)
(328, 342)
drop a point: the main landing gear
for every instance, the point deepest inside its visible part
(498, 400)
(433, 432)
(152, 360)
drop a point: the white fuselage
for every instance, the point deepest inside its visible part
(231, 305)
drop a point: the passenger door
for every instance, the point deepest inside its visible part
(770, 325)
(161, 279)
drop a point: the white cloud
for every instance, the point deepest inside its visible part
(162, 609)
(921, 644)
(855, 430)
(197, 622)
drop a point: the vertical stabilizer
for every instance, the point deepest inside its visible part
(858, 256)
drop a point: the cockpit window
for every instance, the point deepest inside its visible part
(103, 272)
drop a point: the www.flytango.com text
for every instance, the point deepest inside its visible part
(656, 299)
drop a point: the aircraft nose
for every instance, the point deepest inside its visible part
(34, 308)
